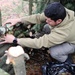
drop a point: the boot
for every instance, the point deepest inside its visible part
(44, 68)
(69, 60)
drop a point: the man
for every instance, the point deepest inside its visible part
(61, 40)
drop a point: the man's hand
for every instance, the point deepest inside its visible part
(7, 39)
(12, 22)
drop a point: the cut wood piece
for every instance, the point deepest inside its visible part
(19, 65)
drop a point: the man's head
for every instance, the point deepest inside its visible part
(55, 13)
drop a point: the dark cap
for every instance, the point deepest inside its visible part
(55, 11)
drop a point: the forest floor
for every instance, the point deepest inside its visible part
(34, 65)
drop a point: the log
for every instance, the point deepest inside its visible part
(2, 72)
(3, 65)
(19, 66)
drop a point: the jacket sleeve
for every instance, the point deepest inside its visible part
(33, 19)
(54, 38)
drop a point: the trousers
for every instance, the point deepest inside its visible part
(60, 52)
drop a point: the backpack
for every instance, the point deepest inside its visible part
(58, 69)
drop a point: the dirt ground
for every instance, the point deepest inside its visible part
(37, 59)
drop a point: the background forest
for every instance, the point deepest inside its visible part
(19, 8)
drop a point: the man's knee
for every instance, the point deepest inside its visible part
(60, 52)
(53, 53)
(46, 29)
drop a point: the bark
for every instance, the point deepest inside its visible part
(0, 19)
(2, 72)
(30, 6)
(7, 68)
(19, 66)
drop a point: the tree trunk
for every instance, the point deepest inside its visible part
(19, 66)
(0, 19)
(30, 6)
